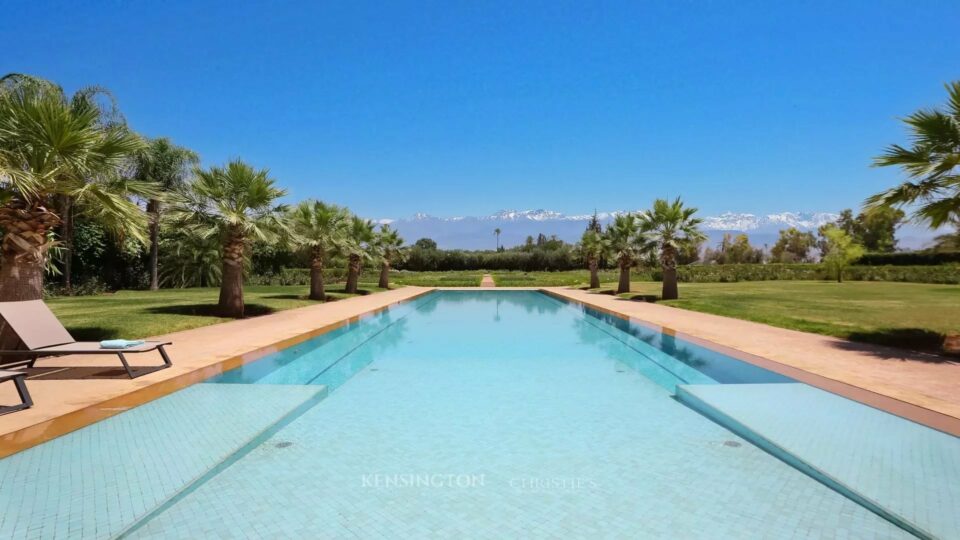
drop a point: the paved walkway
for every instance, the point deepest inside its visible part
(67, 403)
(487, 281)
(921, 387)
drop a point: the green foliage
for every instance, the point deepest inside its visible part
(874, 228)
(728, 273)
(932, 164)
(793, 246)
(841, 250)
(669, 228)
(189, 258)
(232, 200)
(318, 228)
(621, 234)
(734, 250)
(910, 258)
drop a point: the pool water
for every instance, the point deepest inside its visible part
(497, 414)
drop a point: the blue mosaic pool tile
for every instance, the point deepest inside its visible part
(568, 444)
(96, 481)
(907, 469)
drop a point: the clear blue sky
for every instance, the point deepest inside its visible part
(456, 108)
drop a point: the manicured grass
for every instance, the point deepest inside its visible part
(471, 278)
(907, 315)
(136, 314)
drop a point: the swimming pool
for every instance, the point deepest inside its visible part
(485, 414)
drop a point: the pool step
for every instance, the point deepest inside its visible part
(99, 480)
(904, 472)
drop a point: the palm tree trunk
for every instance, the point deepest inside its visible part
(153, 208)
(594, 276)
(624, 285)
(316, 277)
(23, 251)
(384, 275)
(353, 273)
(66, 214)
(231, 287)
(668, 258)
(23, 254)
(670, 291)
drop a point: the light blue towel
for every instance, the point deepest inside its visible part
(120, 343)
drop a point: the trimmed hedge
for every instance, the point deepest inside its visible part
(724, 273)
(910, 258)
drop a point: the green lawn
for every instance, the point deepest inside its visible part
(471, 278)
(908, 315)
(135, 314)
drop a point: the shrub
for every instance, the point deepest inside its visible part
(910, 258)
(717, 273)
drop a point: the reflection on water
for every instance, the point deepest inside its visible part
(718, 366)
(506, 327)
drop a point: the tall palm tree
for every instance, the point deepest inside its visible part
(167, 166)
(54, 149)
(320, 228)
(236, 204)
(359, 241)
(388, 243)
(496, 233)
(669, 228)
(932, 164)
(594, 246)
(621, 234)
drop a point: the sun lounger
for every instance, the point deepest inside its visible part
(17, 378)
(42, 335)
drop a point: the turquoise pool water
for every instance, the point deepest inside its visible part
(488, 414)
(503, 414)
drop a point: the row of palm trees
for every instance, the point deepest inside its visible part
(62, 156)
(664, 231)
(237, 205)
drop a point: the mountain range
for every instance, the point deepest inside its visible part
(477, 232)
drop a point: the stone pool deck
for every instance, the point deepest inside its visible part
(920, 387)
(71, 392)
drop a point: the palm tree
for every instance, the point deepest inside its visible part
(496, 233)
(388, 243)
(669, 228)
(621, 235)
(167, 166)
(56, 151)
(359, 241)
(320, 228)
(237, 205)
(594, 246)
(189, 259)
(932, 164)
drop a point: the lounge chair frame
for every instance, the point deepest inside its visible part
(43, 336)
(17, 377)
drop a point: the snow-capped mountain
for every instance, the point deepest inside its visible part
(477, 232)
(805, 221)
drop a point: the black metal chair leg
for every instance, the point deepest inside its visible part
(126, 366)
(25, 401)
(24, 393)
(163, 354)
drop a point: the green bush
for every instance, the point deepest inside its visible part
(725, 273)
(910, 258)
